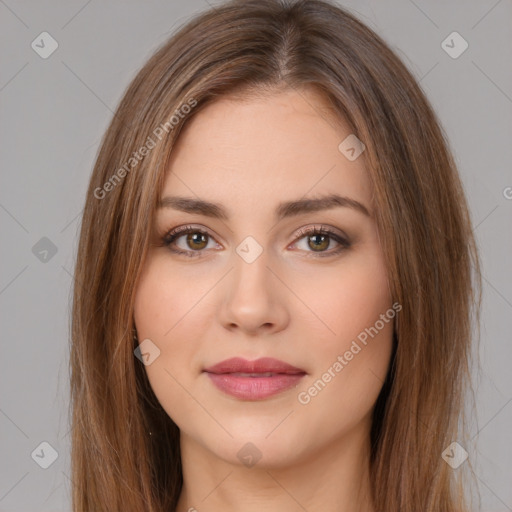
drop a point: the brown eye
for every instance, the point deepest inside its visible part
(197, 240)
(318, 242)
(194, 241)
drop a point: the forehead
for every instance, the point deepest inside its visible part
(264, 149)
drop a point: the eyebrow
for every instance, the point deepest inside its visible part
(283, 210)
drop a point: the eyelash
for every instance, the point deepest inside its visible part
(176, 233)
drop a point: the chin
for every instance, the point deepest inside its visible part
(254, 446)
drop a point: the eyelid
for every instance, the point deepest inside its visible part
(311, 229)
(180, 229)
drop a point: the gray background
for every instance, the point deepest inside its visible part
(54, 112)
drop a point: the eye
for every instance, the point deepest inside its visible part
(195, 240)
(318, 240)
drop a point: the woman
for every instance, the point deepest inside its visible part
(274, 285)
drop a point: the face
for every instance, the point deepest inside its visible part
(255, 278)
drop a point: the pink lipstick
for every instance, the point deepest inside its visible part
(254, 380)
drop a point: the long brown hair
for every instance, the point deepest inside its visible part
(249, 47)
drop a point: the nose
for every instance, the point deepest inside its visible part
(254, 298)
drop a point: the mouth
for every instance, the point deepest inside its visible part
(254, 380)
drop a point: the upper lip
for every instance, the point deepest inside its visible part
(262, 365)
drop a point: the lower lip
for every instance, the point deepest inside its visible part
(254, 388)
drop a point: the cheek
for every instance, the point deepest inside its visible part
(164, 312)
(166, 299)
(351, 366)
(347, 300)
(330, 407)
(351, 358)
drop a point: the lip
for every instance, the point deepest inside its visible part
(254, 380)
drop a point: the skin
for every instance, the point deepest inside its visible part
(290, 304)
